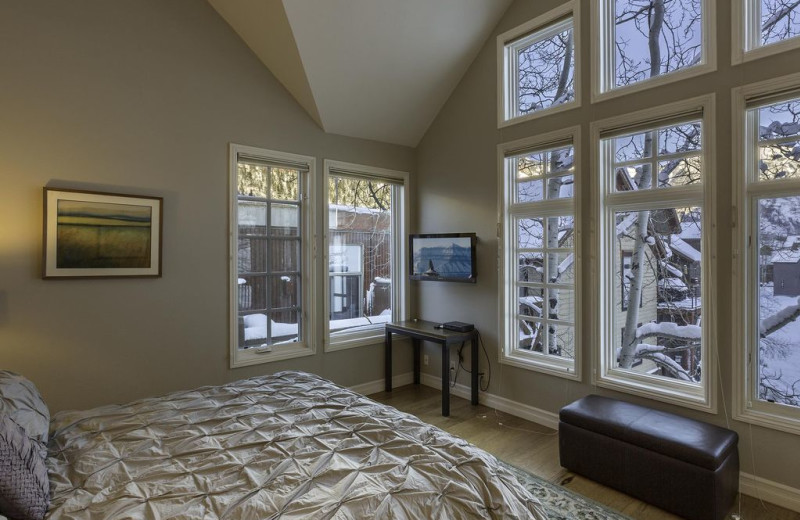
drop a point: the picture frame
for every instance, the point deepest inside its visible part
(92, 234)
(443, 257)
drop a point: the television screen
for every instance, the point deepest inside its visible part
(443, 257)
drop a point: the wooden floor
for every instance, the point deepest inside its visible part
(534, 448)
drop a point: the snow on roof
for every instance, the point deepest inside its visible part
(789, 253)
(671, 283)
(690, 230)
(685, 250)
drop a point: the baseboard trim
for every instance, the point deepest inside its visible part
(373, 387)
(524, 411)
(769, 491)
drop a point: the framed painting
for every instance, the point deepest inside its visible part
(91, 234)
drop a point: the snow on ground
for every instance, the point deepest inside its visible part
(788, 336)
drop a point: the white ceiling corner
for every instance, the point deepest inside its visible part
(375, 69)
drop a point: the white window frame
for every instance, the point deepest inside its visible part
(747, 191)
(746, 34)
(307, 345)
(508, 211)
(510, 41)
(398, 254)
(602, 22)
(606, 374)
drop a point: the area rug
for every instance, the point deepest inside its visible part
(562, 504)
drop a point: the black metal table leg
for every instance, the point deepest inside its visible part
(416, 359)
(475, 384)
(445, 379)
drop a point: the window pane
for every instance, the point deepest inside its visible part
(530, 191)
(530, 233)
(658, 296)
(284, 220)
(285, 184)
(561, 304)
(780, 20)
(284, 291)
(530, 335)
(285, 255)
(252, 218)
(545, 70)
(359, 253)
(252, 254)
(680, 172)
(679, 139)
(531, 165)
(561, 232)
(284, 326)
(564, 341)
(632, 147)
(252, 180)
(779, 300)
(672, 26)
(531, 302)
(531, 267)
(779, 120)
(561, 268)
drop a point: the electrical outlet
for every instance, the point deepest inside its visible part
(425, 360)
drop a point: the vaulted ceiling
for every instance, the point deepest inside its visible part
(374, 69)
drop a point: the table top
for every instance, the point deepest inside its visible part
(428, 328)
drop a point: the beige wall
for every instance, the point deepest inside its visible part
(140, 96)
(457, 191)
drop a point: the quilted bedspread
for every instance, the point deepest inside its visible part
(290, 445)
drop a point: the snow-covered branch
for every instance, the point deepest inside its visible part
(780, 319)
(669, 330)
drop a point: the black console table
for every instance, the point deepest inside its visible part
(419, 330)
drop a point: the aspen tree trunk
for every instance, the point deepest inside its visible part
(553, 191)
(645, 181)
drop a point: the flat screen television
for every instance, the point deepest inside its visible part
(443, 257)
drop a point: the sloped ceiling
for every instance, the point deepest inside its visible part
(374, 69)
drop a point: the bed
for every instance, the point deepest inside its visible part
(290, 445)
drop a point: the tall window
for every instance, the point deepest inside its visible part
(765, 27)
(771, 226)
(654, 276)
(649, 42)
(270, 262)
(540, 311)
(365, 226)
(537, 66)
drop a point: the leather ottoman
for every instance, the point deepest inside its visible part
(684, 466)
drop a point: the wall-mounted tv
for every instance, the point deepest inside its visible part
(443, 257)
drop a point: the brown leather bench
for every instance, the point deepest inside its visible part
(684, 466)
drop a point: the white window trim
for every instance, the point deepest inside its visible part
(746, 35)
(603, 75)
(306, 347)
(375, 334)
(506, 263)
(746, 407)
(605, 374)
(506, 73)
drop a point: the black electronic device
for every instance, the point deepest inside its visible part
(458, 326)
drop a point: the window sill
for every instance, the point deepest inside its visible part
(672, 392)
(344, 341)
(650, 83)
(248, 357)
(769, 419)
(544, 364)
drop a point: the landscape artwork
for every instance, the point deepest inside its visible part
(95, 234)
(443, 257)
